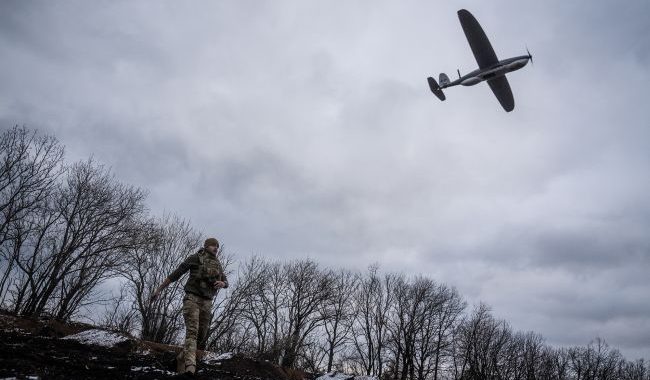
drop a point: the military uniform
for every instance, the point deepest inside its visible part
(205, 269)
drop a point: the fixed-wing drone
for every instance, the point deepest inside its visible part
(490, 69)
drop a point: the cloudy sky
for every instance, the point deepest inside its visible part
(306, 129)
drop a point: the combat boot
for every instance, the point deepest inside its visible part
(180, 362)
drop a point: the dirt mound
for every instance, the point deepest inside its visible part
(254, 369)
(42, 326)
(38, 349)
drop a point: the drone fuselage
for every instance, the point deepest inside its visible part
(499, 69)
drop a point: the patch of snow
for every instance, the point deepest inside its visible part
(98, 337)
(212, 358)
(152, 369)
(17, 330)
(344, 376)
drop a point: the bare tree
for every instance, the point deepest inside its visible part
(445, 320)
(30, 165)
(596, 361)
(226, 326)
(260, 295)
(363, 356)
(279, 305)
(482, 342)
(119, 315)
(370, 329)
(634, 370)
(77, 242)
(337, 312)
(230, 329)
(308, 287)
(406, 320)
(422, 316)
(312, 356)
(162, 245)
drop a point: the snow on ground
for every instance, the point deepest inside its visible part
(16, 330)
(98, 337)
(211, 357)
(343, 376)
(152, 369)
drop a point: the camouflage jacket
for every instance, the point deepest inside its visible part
(205, 269)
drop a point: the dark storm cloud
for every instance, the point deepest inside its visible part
(307, 130)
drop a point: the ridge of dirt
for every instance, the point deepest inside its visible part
(33, 348)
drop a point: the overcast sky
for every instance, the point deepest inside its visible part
(307, 130)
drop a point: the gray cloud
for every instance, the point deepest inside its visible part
(307, 130)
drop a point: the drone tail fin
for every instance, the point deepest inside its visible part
(443, 79)
(437, 91)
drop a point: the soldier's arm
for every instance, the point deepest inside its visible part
(223, 278)
(182, 268)
(175, 275)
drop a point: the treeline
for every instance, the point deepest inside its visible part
(390, 326)
(66, 229)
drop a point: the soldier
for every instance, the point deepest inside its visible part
(206, 278)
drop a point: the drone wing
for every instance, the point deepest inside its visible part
(501, 89)
(478, 41)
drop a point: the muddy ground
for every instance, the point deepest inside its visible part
(34, 349)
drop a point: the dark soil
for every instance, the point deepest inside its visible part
(33, 349)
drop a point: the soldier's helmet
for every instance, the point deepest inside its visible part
(210, 242)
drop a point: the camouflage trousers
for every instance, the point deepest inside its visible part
(197, 312)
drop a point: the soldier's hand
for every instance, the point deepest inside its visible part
(219, 284)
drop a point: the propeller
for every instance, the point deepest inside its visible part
(529, 56)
